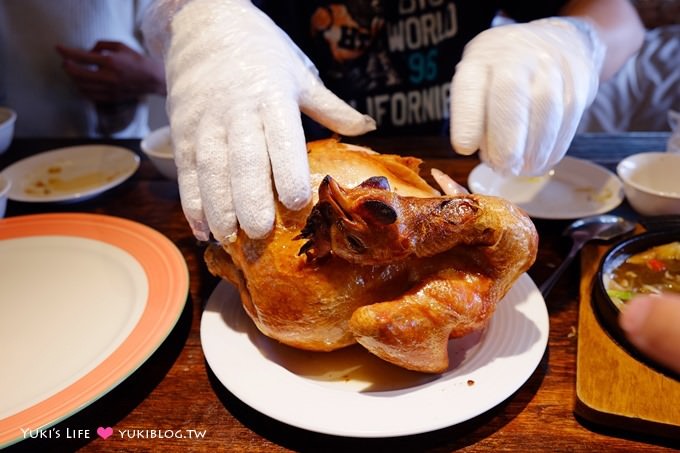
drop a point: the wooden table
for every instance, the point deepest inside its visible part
(176, 390)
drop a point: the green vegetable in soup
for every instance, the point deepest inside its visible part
(623, 295)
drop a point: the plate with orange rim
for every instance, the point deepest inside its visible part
(85, 299)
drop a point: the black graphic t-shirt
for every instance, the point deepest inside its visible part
(393, 59)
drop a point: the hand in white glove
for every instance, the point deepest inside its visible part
(520, 90)
(236, 86)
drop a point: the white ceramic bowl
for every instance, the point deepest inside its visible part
(5, 185)
(7, 119)
(651, 182)
(158, 147)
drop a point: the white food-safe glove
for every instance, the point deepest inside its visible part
(520, 90)
(236, 86)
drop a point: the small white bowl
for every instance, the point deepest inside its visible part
(158, 147)
(5, 185)
(651, 182)
(7, 119)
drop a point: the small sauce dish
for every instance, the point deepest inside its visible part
(5, 185)
(8, 118)
(651, 182)
(158, 148)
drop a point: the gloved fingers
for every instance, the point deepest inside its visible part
(508, 119)
(324, 107)
(545, 118)
(184, 150)
(190, 196)
(468, 105)
(250, 173)
(287, 153)
(213, 171)
(576, 101)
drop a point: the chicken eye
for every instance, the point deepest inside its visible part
(379, 211)
(376, 182)
(356, 244)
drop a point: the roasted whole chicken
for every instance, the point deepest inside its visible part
(380, 258)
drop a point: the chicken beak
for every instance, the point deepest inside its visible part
(331, 192)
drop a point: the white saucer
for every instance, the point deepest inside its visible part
(70, 174)
(577, 188)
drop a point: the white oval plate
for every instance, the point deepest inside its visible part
(353, 393)
(70, 174)
(577, 188)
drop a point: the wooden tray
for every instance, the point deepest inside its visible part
(613, 388)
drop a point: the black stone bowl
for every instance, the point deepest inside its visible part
(606, 310)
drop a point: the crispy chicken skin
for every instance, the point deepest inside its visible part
(379, 258)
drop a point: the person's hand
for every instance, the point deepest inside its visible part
(236, 86)
(113, 72)
(520, 90)
(652, 325)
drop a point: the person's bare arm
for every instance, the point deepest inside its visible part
(618, 25)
